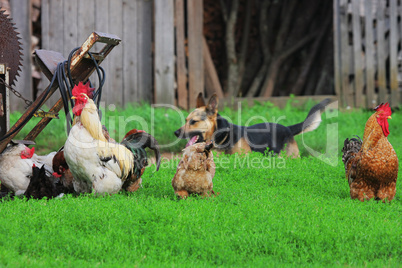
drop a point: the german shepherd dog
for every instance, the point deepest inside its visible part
(206, 123)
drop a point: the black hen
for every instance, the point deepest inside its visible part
(41, 185)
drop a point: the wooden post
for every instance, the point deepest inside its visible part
(345, 57)
(381, 55)
(164, 52)
(144, 50)
(21, 15)
(4, 101)
(115, 94)
(181, 69)
(370, 67)
(195, 49)
(70, 36)
(393, 56)
(357, 53)
(337, 50)
(102, 17)
(130, 60)
(55, 36)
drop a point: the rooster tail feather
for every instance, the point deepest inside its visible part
(137, 142)
(350, 148)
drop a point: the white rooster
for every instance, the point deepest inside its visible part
(98, 165)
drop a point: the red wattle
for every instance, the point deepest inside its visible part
(383, 122)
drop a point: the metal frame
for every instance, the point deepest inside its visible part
(81, 69)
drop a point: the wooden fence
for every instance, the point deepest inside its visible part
(163, 57)
(367, 34)
(67, 24)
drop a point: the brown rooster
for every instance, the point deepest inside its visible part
(195, 171)
(371, 165)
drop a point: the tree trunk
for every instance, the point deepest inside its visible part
(244, 46)
(269, 83)
(232, 62)
(263, 27)
(301, 80)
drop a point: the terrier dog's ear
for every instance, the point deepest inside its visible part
(212, 107)
(200, 101)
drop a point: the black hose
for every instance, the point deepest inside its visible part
(101, 77)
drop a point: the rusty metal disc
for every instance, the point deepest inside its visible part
(10, 46)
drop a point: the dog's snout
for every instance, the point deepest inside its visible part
(177, 132)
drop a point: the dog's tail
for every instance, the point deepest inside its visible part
(312, 120)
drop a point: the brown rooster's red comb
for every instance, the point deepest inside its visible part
(133, 131)
(384, 108)
(81, 88)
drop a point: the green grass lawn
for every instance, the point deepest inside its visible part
(270, 211)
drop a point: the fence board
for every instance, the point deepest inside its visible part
(130, 48)
(55, 41)
(56, 38)
(382, 80)
(70, 38)
(102, 25)
(86, 25)
(129, 68)
(400, 36)
(394, 100)
(375, 51)
(164, 52)
(45, 23)
(181, 70)
(370, 67)
(345, 57)
(115, 92)
(357, 51)
(144, 50)
(21, 15)
(195, 49)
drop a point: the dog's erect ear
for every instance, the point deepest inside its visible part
(200, 101)
(212, 107)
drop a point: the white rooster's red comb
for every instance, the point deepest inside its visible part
(83, 88)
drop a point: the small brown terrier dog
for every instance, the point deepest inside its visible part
(195, 171)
